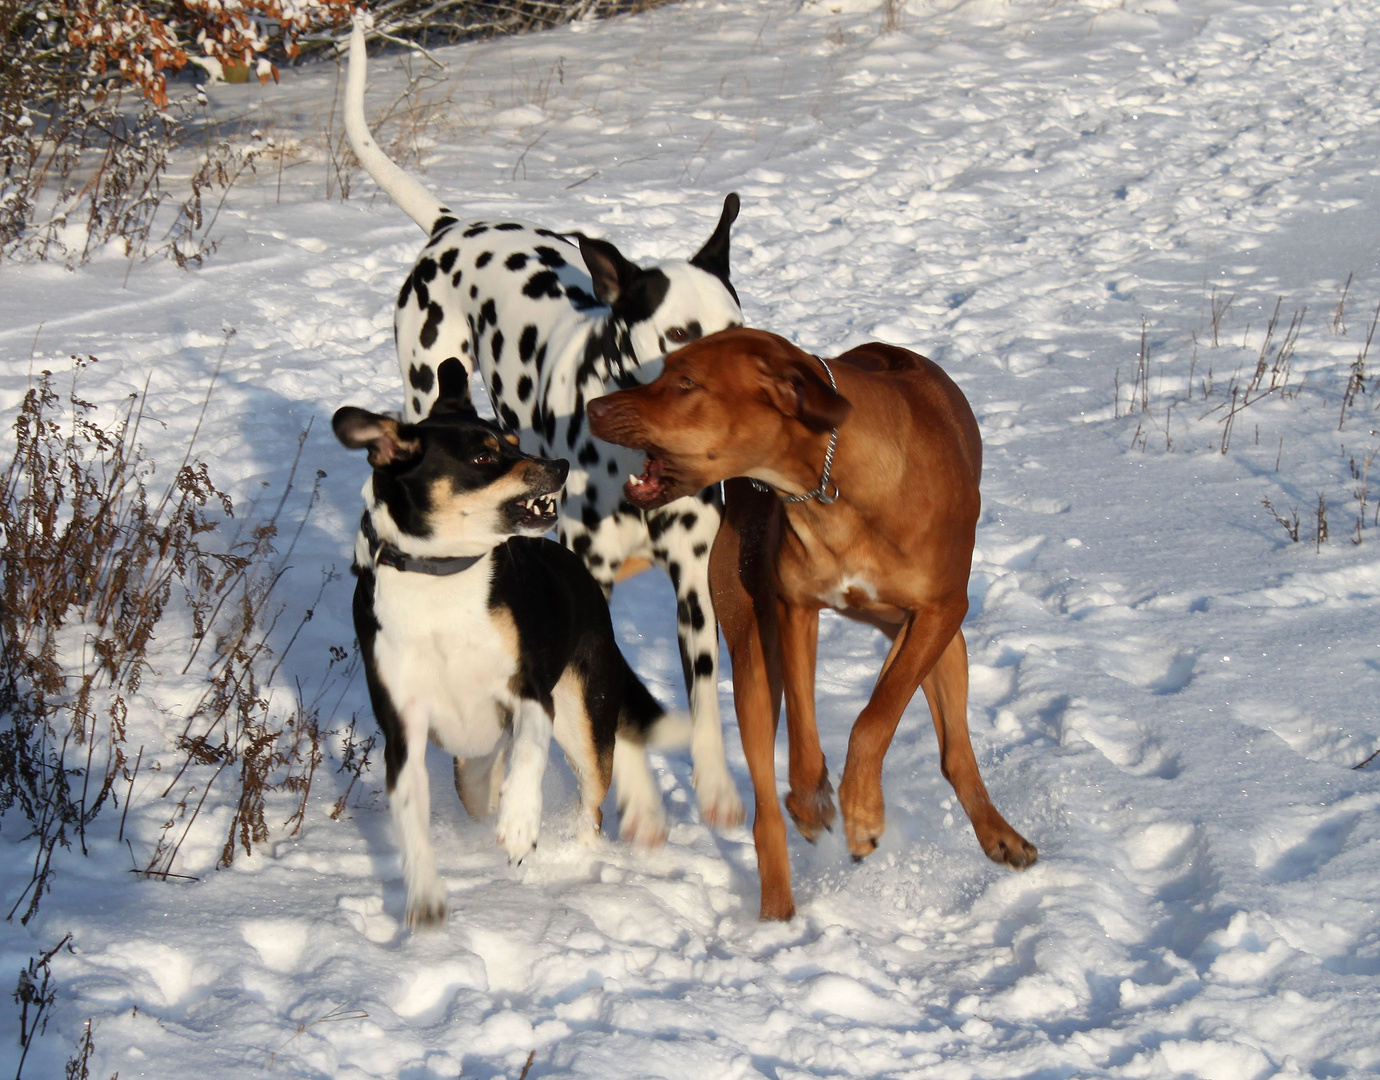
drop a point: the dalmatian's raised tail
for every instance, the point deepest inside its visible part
(415, 201)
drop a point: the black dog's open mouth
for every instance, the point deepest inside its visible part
(652, 488)
(536, 511)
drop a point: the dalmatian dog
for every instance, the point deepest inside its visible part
(553, 320)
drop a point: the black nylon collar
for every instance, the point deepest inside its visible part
(385, 554)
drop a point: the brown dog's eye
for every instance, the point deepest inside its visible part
(687, 383)
(678, 334)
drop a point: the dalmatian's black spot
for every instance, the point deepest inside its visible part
(549, 257)
(673, 570)
(496, 386)
(540, 359)
(465, 347)
(548, 427)
(483, 260)
(447, 261)
(581, 544)
(488, 315)
(527, 343)
(692, 600)
(455, 280)
(425, 269)
(582, 300)
(589, 455)
(625, 508)
(555, 236)
(590, 516)
(544, 283)
(700, 550)
(694, 329)
(524, 388)
(656, 525)
(475, 230)
(422, 378)
(509, 418)
(432, 326)
(576, 421)
(704, 666)
(510, 226)
(474, 291)
(595, 560)
(496, 343)
(417, 405)
(403, 297)
(688, 519)
(591, 494)
(442, 223)
(613, 468)
(516, 261)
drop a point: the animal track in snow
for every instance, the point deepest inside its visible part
(1149, 664)
(1126, 743)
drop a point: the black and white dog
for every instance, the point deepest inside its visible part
(552, 320)
(480, 635)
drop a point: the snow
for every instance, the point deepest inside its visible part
(1167, 694)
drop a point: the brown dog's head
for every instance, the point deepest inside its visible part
(731, 404)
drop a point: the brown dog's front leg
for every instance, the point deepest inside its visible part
(811, 799)
(914, 651)
(745, 605)
(946, 690)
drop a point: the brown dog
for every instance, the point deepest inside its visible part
(874, 459)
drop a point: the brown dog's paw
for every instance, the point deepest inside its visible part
(777, 906)
(813, 811)
(1013, 850)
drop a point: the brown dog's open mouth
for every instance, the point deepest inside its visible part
(652, 488)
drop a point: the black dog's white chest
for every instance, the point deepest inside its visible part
(443, 653)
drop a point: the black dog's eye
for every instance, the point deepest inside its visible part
(482, 458)
(678, 334)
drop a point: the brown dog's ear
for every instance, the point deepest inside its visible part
(358, 429)
(799, 389)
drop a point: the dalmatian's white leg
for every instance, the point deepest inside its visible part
(684, 532)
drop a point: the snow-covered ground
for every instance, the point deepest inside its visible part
(1168, 694)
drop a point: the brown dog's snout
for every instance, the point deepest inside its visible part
(614, 418)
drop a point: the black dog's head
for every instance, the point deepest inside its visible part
(453, 484)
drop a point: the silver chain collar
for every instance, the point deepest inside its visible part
(822, 492)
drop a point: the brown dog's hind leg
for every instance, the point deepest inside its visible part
(946, 690)
(811, 799)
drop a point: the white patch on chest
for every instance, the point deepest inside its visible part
(852, 591)
(445, 658)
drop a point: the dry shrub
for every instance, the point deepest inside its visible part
(93, 567)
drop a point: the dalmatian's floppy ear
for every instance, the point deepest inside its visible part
(453, 385)
(359, 429)
(612, 274)
(713, 257)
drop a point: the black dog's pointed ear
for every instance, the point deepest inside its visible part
(713, 257)
(613, 275)
(382, 436)
(453, 386)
